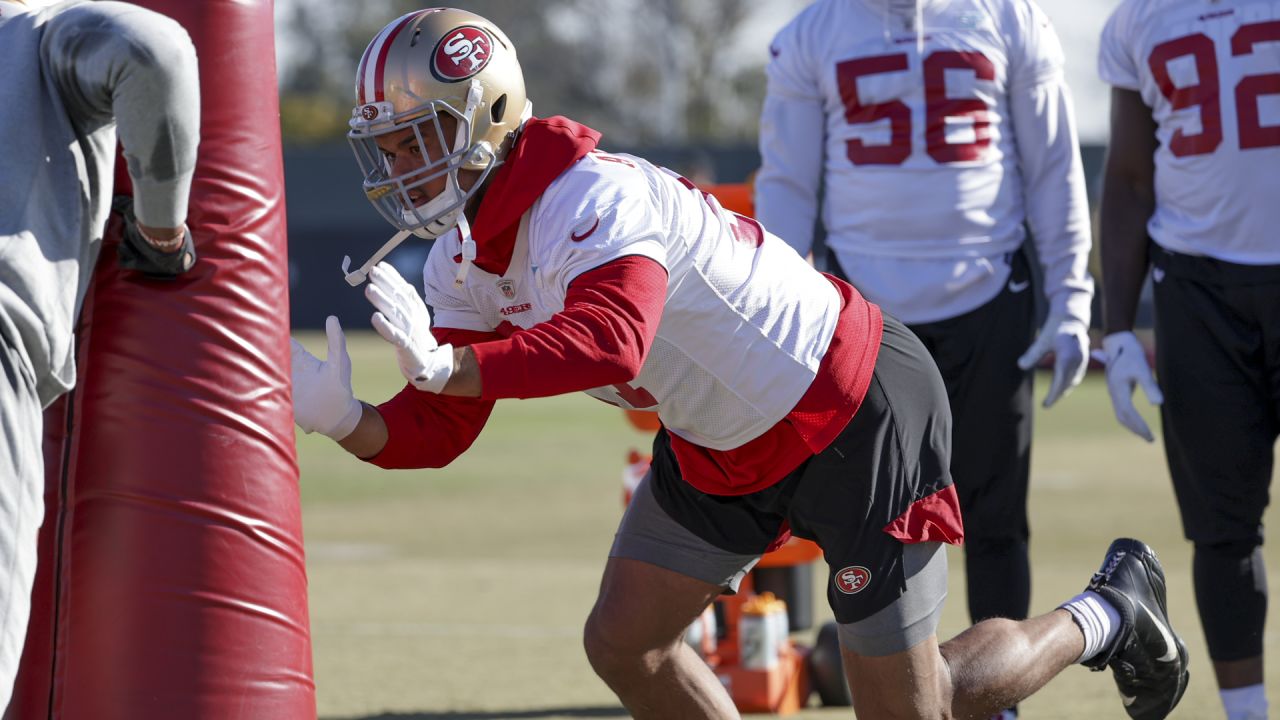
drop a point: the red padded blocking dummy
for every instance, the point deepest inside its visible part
(172, 581)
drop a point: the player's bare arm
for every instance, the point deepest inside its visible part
(465, 379)
(324, 401)
(1128, 200)
(369, 436)
(1127, 203)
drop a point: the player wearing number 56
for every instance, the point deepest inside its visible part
(789, 402)
(939, 131)
(1190, 192)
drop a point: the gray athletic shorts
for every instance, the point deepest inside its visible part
(886, 590)
(647, 533)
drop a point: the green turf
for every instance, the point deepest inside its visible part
(460, 593)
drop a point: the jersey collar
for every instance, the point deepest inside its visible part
(544, 150)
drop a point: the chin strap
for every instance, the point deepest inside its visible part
(468, 257)
(354, 278)
(474, 96)
(468, 252)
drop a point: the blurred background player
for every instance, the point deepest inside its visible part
(935, 130)
(75, 76)
(1191, 192)
(784, 397)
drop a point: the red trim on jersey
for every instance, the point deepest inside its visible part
(821, 414)
(601, 338)
(426, 430)
(932, 518)
(544, 150)
(837, 392)
(380, 68)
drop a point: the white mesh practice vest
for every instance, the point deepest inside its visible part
(746, 320)
(1210, 72)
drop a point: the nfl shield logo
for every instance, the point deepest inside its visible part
(508, 288)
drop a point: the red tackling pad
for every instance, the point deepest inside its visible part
(172, 581)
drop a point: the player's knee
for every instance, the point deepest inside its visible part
(613, 653)
(923, 693)
(891, 703)
(1231, 592)
(597, 643)
(993, 546)
(899, 711)
(1229, 550)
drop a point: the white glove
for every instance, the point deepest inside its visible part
(1127, 366)
(1069, 340)
(404, 321)
(322, 397)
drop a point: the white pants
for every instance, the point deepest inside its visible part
(21, 506)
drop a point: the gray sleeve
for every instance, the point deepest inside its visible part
(115, 60)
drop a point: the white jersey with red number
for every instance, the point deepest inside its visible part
(937, 132)
(745, 324)
(1210, 72)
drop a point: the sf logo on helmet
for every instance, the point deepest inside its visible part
(462, 53)
(853, 579)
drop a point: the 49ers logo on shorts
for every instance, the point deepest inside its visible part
(461, 53)
(853, 579)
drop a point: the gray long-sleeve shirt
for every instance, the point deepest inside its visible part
(74, 74)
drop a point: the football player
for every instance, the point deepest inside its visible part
(1190, 193)
(74, 77)
(937, 131)
(789, 402)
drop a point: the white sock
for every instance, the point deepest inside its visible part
(1246, 703)
(1098, 620)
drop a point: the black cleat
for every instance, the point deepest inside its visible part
(1148, 659)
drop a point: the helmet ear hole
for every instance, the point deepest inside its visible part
(498, 110)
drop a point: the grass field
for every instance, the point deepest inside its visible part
(460, 593)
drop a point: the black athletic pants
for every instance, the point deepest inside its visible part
(1218, 363)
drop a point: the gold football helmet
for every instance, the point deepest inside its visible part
(420, 68)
